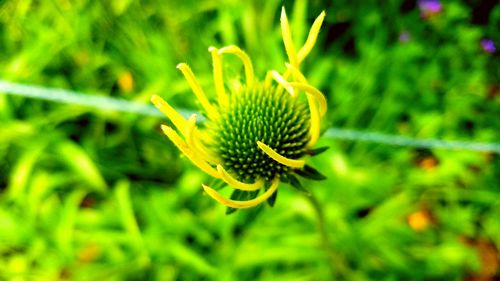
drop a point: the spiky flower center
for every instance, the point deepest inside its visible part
(267, 114)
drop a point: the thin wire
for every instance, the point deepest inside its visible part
(107, 103)
(72, 97)
(410, 142)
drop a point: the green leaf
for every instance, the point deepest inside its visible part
(65, 227)
(295, 183)
(190, 258)
(217, 184)
(236, 195)
(126, 213)
(82, 165)
(310, 173)
(317, 151)
(22, 170)
(271, 200)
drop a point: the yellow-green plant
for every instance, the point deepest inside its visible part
(259, 133)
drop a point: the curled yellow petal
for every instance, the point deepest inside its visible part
(184, 148)
(218, 79)
(282, 81)
(297, 74)
(310, 90)
(287, 39)
(294, 163)
(197, 90)
(313, 108)
(268, 79)
(195, 145)
(315, 121)
(242, 204)
(311, 38)
(236, 183)
(179, 122)
(247, 63)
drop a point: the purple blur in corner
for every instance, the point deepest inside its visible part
(488, 45)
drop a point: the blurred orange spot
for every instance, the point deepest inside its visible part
(87, 202)
(89, 253)
(489, 156)
(64, 274)
(494, 91)
(419, 220)
(126, 81)
(428, 163)
(490, 260)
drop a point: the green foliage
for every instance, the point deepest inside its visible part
(89, 195)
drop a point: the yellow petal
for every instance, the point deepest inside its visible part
(179, 122)
(183, 147)
(281, 81)
(304, 86)
(311, 38)
(268, 79)
(313, 92)
(287, 39)
(247, 63)
(242, 204)
(294, 163)
(296, 73)
(315, 121)
(218, 78)
(197, 90)
(225, 176)
(195, 145)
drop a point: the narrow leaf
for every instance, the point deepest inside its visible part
(310, 173)
(295, 183)
(82, 164)
(271, 200)
(236, 195)
(317, 151)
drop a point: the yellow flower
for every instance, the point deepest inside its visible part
(257, 135)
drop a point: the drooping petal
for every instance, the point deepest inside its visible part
(282, 82)
(247, 63)
(218, 78)
(195, 145)
(313, 92)
(304, 86)
(242, 204)
(225, 176)
(184, 148)
(179, 122)
(294, 163)
(197, 90)
(315, 121)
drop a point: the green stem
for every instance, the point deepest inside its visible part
(336, 263)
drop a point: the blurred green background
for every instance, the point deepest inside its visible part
(88, 194)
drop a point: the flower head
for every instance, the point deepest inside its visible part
(258, 134)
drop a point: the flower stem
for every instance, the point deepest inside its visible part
(336, 263)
